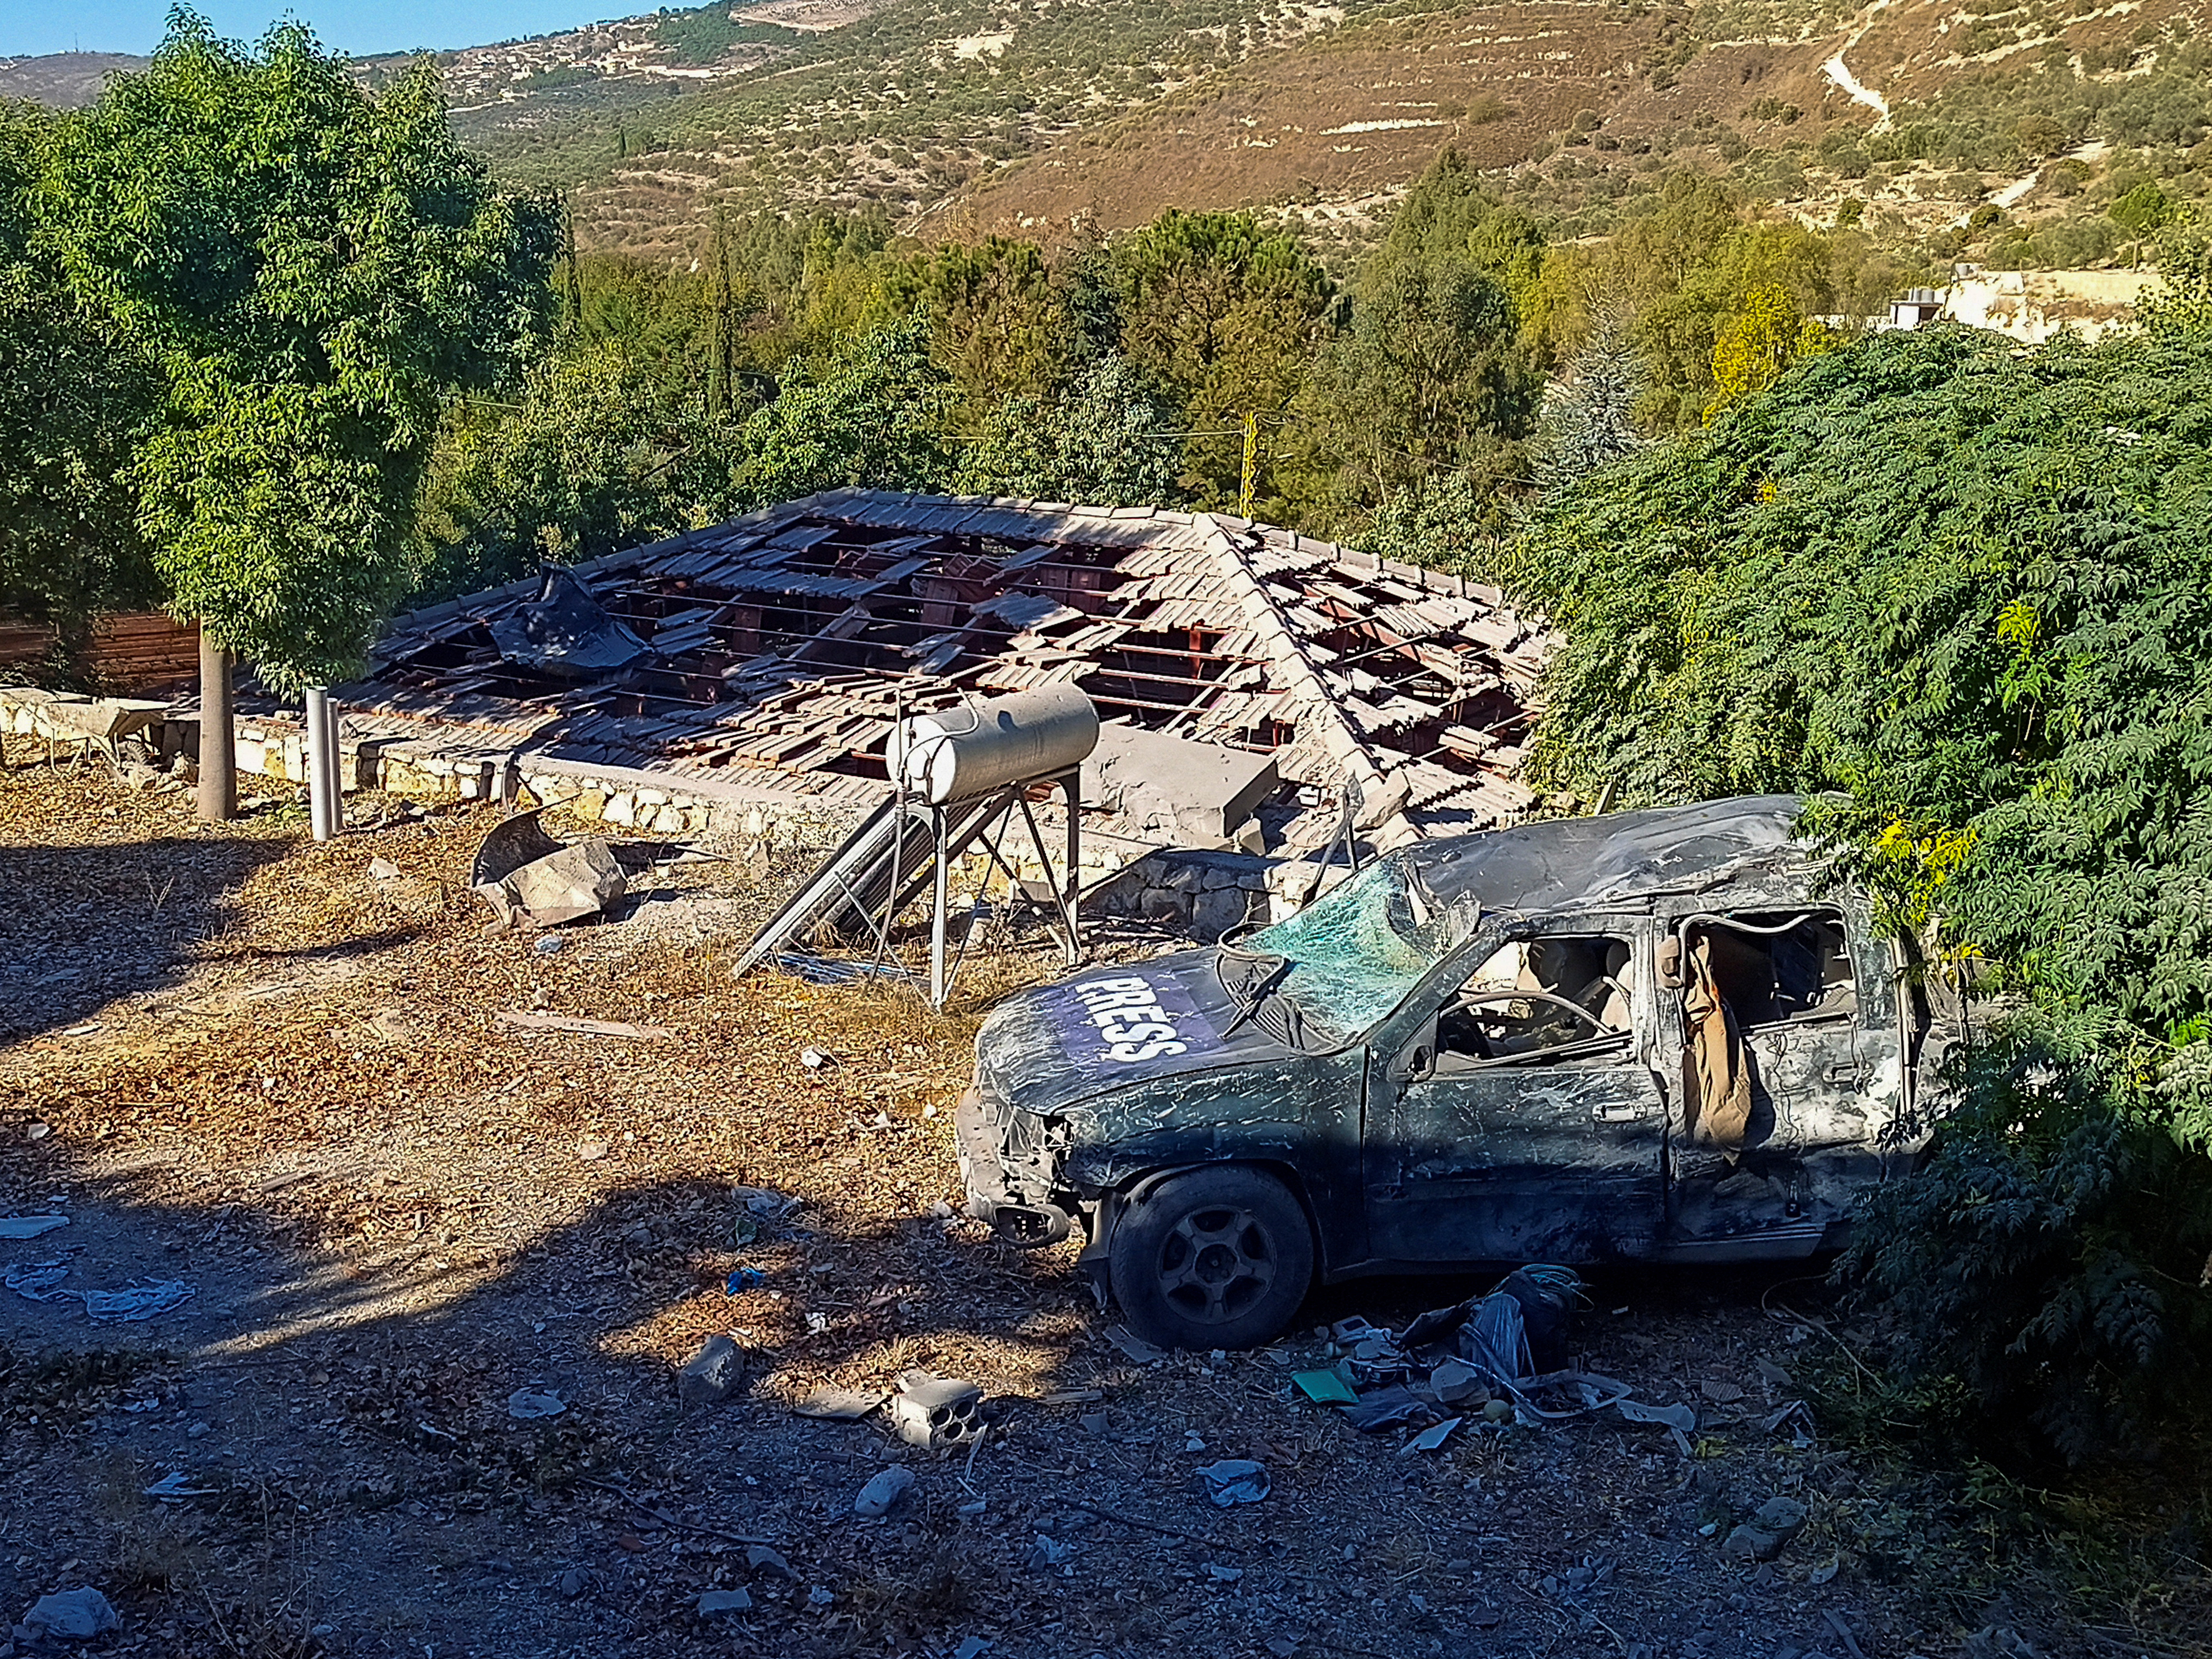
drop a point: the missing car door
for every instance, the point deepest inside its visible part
(1520, 1118)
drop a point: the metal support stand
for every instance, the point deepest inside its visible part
(1063, 885)
(940, 885)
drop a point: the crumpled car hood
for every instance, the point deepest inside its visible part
(1108, 1027)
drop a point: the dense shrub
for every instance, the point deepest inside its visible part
(1968, 590)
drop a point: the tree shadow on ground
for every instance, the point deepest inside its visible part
(87, 925)
(347, 1413)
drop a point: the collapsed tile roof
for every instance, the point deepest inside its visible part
(777, 649)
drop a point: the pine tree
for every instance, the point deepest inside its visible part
(1590, 422)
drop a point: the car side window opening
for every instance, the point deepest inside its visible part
(1785, 965)
(1540, 1001)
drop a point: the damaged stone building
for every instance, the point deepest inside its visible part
(1259, 688)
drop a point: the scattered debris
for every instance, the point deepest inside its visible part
(816, 970)
(1431, 1439)
(1673, 1416)
(591, 1149)
(1133, 1347)
(564, 632)
(175, 1487)
(763, 1559)
(30, 1226)
(1235, 1481)
(41, 1281)
(881, 1495)
(712, 1374)
(383, 869)
(1763, 1537)
(838, 1405)
(1046, 1553)
(715, 1603)
(1456, 1383)
(606, 1027)
(529, 1404)
(1325, 1388)
(76, 1616)
(935, 1413)
(526, 876)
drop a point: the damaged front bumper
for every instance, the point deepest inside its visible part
(1006, 1167)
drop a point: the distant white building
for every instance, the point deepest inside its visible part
(2028, 305)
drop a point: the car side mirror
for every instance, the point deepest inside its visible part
(1420, 1062)
(1668, 960)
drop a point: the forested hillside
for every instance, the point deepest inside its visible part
(1990, 131)
(1997, 132)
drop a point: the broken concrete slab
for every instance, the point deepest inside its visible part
(526, 876)
(1192, 794)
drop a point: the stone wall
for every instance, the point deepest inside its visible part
(1210, 894)
(1205, 894)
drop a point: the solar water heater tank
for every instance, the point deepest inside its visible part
(973, 748)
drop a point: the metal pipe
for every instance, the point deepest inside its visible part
(319, 762)
(942, 878)
(337, 766)
(1072, 787)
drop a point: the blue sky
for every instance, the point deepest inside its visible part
(360, 26)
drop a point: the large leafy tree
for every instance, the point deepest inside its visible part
(74, 399)
(1963, 593)
(872, 413)
(315, 265)
(998, 319)
(605, 449)
(1431, 377)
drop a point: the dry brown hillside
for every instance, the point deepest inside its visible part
(1355, 114)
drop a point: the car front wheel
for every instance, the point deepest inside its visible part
(1215, 1258)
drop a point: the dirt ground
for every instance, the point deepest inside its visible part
(268, 1071)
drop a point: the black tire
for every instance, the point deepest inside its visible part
(1217, 1258)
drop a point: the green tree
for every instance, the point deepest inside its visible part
(1759, 341)
(1224, 315)
(605, 450)
(1962, 595)
(1105, 440)
(1590, 422)
(998, 320)
(315, 265)
(1429, 376)
(871, 413)
(74, 399)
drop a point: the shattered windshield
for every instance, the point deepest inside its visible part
(1351, 956)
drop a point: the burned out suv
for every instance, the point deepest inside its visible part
(1657, 1035)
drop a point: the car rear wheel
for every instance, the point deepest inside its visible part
(1212, 1258)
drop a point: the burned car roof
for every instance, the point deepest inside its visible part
(1566, 863)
